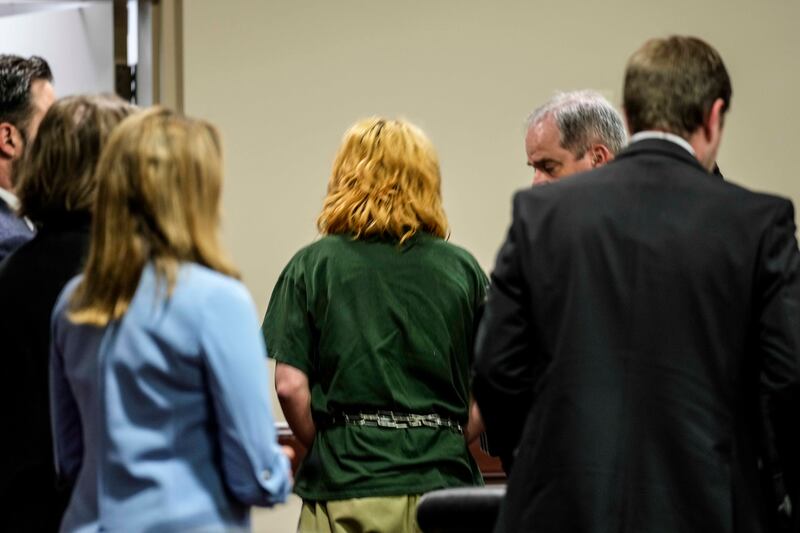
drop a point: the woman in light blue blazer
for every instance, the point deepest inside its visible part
(159, 388)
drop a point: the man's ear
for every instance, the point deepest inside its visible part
(9, 140)
(600, 155)
(626, 121)
(712, 127)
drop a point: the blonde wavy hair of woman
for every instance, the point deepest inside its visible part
(158, 200)
(385, 182)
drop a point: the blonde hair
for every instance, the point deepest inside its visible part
(59, 171)
(159, 185)
(385, 182)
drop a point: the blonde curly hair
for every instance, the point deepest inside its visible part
(385, 182)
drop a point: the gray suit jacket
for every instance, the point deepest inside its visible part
(13, 231)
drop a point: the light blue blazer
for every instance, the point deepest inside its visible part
(163, 418)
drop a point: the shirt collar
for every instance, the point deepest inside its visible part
(13, 202)
(9, 198)
(663, 135)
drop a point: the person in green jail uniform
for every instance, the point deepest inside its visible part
(372, 329)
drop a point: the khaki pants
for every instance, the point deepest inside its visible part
(387, 514)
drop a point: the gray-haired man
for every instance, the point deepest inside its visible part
(573, 132)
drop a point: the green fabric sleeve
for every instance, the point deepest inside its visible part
(286, 328)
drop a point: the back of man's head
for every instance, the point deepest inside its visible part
(583, 118)
(16, 76)
(671, 85)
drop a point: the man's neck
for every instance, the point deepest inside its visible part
(704, 151)
(5, 173)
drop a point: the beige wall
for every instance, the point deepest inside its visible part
(283, 80)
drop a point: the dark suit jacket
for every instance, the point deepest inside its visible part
(13, 231)
(637, 317)
(30, 280)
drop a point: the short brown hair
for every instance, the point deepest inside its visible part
(158, 202)
(57, 175)
(385, 183)
(671, 84)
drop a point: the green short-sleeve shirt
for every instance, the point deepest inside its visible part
(379, 326)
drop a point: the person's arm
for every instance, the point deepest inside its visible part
(503, 370)
(475, 424)
(778, 332)
(288, 333)
(64, 415)
(255, 468)
(294, 395)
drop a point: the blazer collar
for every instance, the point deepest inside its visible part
(663, 147)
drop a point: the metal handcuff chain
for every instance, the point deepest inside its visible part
(389, 419)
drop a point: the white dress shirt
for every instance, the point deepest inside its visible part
(663, 135)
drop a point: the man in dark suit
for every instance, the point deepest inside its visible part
(642, 316)
(26, 92)
(572, 132)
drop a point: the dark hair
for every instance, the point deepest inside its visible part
(16, 76)
(59, 171)
(671, 84)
